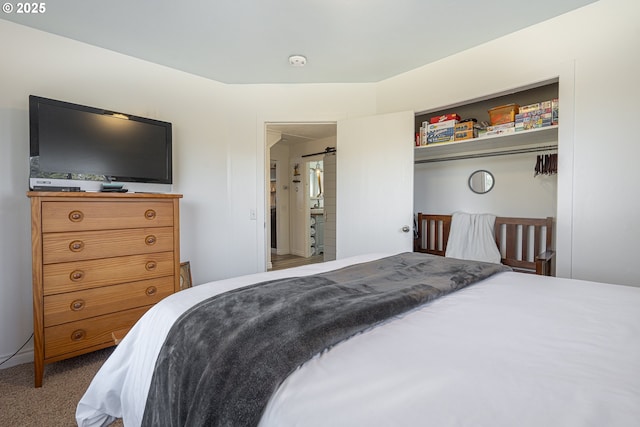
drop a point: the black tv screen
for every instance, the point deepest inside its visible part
(80, 143)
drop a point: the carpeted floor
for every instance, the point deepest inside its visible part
(54, 404)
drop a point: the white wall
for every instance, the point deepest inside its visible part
(596, 52)
(219, 151)
(442, 188)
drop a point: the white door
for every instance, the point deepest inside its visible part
(375, 184)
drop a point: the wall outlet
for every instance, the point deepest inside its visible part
(252, 214)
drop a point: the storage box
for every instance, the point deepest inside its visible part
(504, 131)
(470, 125)
(502, 126)
(444, 134)
(440, 139)
(535, 106)
(535, 113)
(531, 117)
(503, 114)
(442, 125)
(461, 135)
(421, 138)
(529, 107)
(537, 122)
(444, 118)
(554, 111)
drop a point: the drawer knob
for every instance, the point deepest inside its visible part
(151, 265)
(78, 335)
(150, 214)
(77, 305)
(76, 275)
(151, 291)
(76, 216)
(150, 240)
(76, 246)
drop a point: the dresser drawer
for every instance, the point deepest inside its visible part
(81, 245)
(74, 336)
(103, 215)
(73, 306)
(78, 275)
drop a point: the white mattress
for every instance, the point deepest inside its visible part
(514, 349)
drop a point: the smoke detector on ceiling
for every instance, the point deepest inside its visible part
(297, 60)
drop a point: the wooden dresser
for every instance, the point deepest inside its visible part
(100, 261)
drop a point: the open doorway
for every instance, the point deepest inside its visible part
(301, 193)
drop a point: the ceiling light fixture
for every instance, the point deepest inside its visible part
(297, 60)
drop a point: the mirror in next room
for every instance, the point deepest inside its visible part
(316, 181)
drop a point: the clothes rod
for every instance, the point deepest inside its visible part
(493, 154)
(326, 151)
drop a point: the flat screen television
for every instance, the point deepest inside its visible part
(75, 147)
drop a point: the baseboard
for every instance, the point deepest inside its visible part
(24, 356)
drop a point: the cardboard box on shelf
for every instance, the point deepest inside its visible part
(421, 137)
(535, 113)
(535, 106)
(444, 118)
(440, 135)
(533, 124)
(528, 108)
(440, 139)
(461, 135)
(441, 125)
(502, 126)
(470, 125)
(533, 117)
(503, 131)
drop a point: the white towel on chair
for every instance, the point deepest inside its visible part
(472, 237)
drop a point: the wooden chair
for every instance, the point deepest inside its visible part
(525, 244)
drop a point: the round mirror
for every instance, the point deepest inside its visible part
(481, 181)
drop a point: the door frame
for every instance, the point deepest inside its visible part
(263, 246)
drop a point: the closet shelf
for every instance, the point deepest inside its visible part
(542, 138)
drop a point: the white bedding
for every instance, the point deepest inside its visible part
(515, 349)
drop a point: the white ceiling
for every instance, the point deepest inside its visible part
(249, 41)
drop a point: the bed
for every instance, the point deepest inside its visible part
(510, 349)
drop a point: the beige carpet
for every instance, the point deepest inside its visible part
(54, 404)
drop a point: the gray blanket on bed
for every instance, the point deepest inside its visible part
(224, 358)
